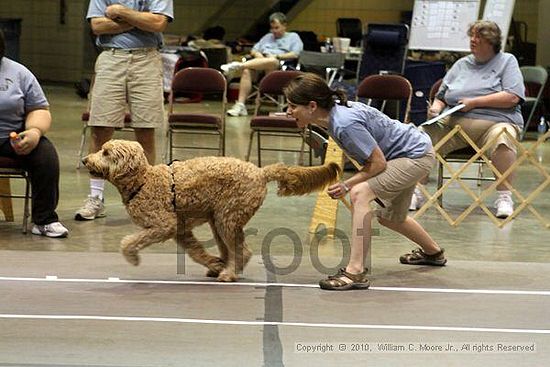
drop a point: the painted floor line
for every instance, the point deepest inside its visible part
(273, 323)
(53, 278)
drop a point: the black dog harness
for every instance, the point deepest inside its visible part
(173, 188)
(133, 194)
(173, 184)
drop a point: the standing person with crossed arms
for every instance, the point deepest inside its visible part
(128, 73)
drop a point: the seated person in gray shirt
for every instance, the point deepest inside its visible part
(275, 46)
(24, 110)
(394, 157)
(490, 85)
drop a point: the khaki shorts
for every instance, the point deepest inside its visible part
(480, 131)
(395, 185)
(128, 81)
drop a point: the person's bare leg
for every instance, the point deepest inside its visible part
(411, 229)
(361, 195)
(503, 158)
(100, 135)
(146, 137)
(245, 85)
(248, 74)
(262, 63)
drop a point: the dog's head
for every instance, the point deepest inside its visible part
(116, 160)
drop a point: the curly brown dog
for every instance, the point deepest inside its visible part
(168, 201)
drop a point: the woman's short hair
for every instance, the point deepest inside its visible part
(279, 17)
(488, 30)
(2, 45)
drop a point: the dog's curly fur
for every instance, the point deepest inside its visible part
(169, 201)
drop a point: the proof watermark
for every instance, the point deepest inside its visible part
(188, 244)
(416, 347)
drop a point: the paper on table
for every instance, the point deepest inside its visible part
(443, 115)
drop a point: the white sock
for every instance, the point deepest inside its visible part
(97, 185)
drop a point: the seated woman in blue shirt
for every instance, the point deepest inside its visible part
(394, 157)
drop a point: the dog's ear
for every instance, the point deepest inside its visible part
(128, 157)
(107, 145)
(105, 148)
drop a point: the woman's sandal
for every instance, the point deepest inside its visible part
(343, 281)
(419, 257)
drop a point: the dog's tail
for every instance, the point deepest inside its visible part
(295, 180)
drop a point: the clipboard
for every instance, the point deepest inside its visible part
(442, 115)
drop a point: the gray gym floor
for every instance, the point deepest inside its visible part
(76, 302)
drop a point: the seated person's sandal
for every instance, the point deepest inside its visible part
(419, 257)
(343, 281)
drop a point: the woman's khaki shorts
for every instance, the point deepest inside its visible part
(128, 80)
(395, 185)
(480, 131)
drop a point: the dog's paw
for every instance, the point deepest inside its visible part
(227, 276)
(215, 267)
(212, 273)
(131, 256)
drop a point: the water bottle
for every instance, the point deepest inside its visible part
(328, 45)
(542, 127)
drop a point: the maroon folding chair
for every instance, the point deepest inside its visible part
(385, 88)
(271, 89)
(205, 81)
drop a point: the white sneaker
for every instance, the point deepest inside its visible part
(417, 200)
(504, 206)
(93, 208)
(231, 68)
(238, 109)
(54, 230)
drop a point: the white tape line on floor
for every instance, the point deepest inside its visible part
(51, 278)
(272, 323)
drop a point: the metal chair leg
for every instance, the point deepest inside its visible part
(249, 146)
(26, 211)
(301, 155)
(259, 150)
(440, 182)
(82, 145)
(479, 174)
(222, 144)
(170, 137)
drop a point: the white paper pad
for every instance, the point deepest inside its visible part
(443, 115)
